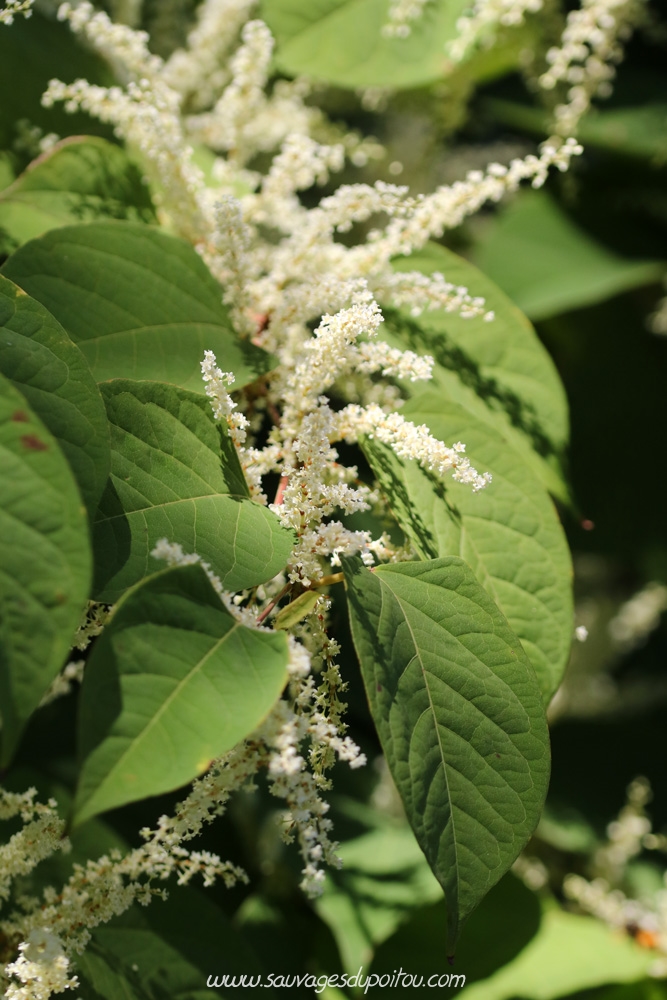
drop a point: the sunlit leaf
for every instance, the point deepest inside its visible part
(173, 682)
(459, 714)
(139, 303)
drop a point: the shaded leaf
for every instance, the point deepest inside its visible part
(139, 303)
(568, 953)
(341, 42)
(45, 562)
(80, 179)
(504, 923)
(170, 950)
(509, 533)
(175, 474)
(52, 374)
(459, 714)
(548, 265)
(499, 371)
(383, 878)
(173, 682)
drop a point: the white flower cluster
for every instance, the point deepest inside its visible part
(401, 15)
(13, 7)
(199, 71)
(480, 25)
(637, 618)
(43, 832)
(309, 715)
(67, 679)
(591, 45)
(419, 292)
(601, 895)
(224, 407)
(409, 441)
(97, 891)
(42, 967)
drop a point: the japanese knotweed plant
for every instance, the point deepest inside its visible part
(217, 417)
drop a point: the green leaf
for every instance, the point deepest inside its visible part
(173, 682)
(459, 714)
(505, 922)
(53, 376)
(45, 562)
(383, 878)
(341, 42)
(139, 303)
(498, 371)
(548, 265)
(169, 949)
(509, 533)
(175, 474)
(568, 953)
(80, 179)
(296, 610)
(637, 130)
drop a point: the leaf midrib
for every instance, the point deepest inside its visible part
(417, 654)
(153, 721)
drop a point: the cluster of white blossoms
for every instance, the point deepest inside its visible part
(13, 7)
(638, 617)
(310, 715)
(400, 16)
(53, 927)
(480, 25)
(585, 60)
(42, 968)
(602, 896)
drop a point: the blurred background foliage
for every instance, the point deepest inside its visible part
(585, 258)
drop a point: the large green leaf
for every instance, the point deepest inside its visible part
(139, 303)
(459, 714)
(509, 533)
(79, 180)
(341, 42)
(548, 265)
(52, 374)
(45, 562)
(176, 474)
(173, 682)
(497, 370)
